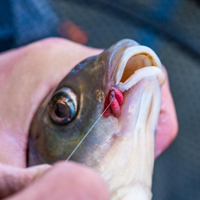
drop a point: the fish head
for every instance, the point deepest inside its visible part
(120, 148)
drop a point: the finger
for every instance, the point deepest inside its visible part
(13, 179)
(66, 181)
(167, 122)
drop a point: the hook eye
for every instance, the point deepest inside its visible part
(63, 106)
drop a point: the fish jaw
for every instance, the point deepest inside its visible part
(127, 167)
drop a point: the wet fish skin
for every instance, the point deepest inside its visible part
(120, 149)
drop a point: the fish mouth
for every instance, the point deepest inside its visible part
(135, 64)
(139, 76)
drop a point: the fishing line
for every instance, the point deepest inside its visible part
(111, 99)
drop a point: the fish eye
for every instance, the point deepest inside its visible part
(63, 106)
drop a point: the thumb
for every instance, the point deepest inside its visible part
(66, 181)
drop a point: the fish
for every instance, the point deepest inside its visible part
(119, 147)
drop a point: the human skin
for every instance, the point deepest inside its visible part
(27, 75)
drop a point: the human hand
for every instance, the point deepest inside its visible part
(27, 75)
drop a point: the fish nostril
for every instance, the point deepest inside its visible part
(37, 136)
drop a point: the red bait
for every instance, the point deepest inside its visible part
(115, 97)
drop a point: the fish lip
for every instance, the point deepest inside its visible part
(129, 52)
(134, 51)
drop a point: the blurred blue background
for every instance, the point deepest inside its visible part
(170, 27)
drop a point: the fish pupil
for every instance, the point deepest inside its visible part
(62, 110)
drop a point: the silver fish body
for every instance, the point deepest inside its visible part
(120, 149)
